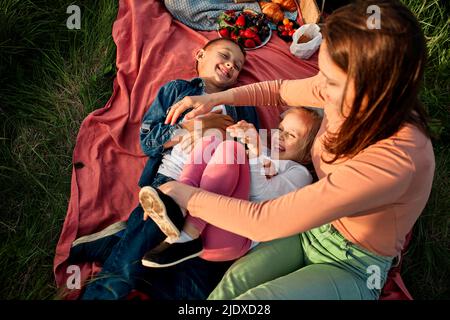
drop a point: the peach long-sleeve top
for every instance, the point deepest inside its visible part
(373, 199)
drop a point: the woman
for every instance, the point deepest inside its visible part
(372, 154)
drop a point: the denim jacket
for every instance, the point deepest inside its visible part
(154, 133)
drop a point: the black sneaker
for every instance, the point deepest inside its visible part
(163, 210)
(96, 246)
(167, 255)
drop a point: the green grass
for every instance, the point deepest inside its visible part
(426, 267)
(52, 77)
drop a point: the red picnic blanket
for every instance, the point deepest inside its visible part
(152, 49)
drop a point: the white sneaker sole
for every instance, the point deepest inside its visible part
(155, 208)
(150, 264)
(110, 230)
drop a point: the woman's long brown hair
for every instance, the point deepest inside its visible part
(387, 66)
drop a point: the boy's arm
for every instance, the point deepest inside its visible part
(155, 136)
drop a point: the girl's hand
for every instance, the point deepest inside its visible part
(269, 169)
(201, 104)
(246, 133)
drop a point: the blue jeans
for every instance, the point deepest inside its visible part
(123, 271)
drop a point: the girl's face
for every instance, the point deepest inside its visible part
(287, 142)
(333, 82)
(220, 64)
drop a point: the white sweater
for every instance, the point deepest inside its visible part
(290, 177)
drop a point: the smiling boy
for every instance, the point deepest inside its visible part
(218, 65)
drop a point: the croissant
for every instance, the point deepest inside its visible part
(272, 10)
(289, 5)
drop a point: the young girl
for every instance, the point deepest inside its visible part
(226, 171)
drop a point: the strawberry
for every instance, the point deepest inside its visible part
(234, 36)
(250, 34)
(291, 33)
(249, 43)
(242, 32)
(240, 21)
(224, 33)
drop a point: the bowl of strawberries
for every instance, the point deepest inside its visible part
(248, 28)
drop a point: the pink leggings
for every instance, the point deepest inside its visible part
(208, 170)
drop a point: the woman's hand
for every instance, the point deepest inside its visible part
(246, 133)
(201, 104)
(181, 193)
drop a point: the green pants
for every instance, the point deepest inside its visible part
(317, 264)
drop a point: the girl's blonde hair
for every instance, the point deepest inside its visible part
(315, 120)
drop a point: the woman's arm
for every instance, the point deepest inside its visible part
(374, 178)
(294, 93)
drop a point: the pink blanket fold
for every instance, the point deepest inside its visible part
(152, 49)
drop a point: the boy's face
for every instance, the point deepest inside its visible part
(287, 142)
(220, 64)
